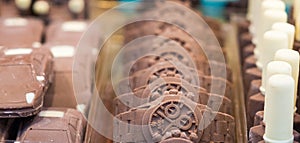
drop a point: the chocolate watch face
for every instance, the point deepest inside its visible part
(175, 118)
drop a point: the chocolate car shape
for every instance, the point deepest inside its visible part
(30, 72)
(61, 125)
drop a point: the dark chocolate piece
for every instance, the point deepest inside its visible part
(254, 88)
(250, 62)
(28, 70)
(248, 51)
(156, 118)
(255, 103)
(256, 134)
(250, 75)
(24, 32)
(259, 116)
(130, 100)
(53, 125)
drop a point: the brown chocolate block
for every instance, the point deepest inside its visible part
(24, 32)
(248, 51)
(250, 75)
(255, 103)
(127, 101)
(245, 40)
(203, 67)
(61, 93)
(31, 72)
(53, 125)
(254, 88)
(68, 32)
(154, 122)
(256, 134)
(296, 45)
(258, 120)
(249, 62)
(243, 26)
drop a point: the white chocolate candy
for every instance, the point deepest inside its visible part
(291, 57)
(269, 18)
(287, 28)
(297, 24)
(279, 106)
(76, 6)
(249, 10)
(23, 4)
(41, 7)
(272, 41)
(255, 17)
(266, 5)
(273, 68)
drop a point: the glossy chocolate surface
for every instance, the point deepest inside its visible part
(54, 125)
(28, 70)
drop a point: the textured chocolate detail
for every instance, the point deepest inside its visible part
(256, 135)
(10, 29)
(53, 125)
(245, 40)
(221, 129)
(125, 102)
(31, 73)
(202, 66)
(250, 75)
(255, 103)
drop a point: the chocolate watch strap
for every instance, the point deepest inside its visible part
(174, 117)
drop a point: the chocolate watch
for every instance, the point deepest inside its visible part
(173, 117)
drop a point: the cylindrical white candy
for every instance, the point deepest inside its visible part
(266, 5)
(296, 9)
(41, 7)
(287, 28)
(291, 57)
(272, 68)
(297, 24)
(279, 100)
(255, 17)
(249, 10)
(272, 41)
(76, 6)
(23, 4)
(269, 18)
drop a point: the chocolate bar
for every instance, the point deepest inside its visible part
(24, 32)
(28, 70)
(65, 33)
(53, 125)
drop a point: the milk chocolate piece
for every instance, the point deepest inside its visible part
(250, 75)
(65, 33)
(156, 118)
(259, 116)
(203, 66)
(255, 103)
(24, 32)
(53, 125)
(248, 51)
(249, 62)
(145, 77)
(28, 70)
(245, 40)
(254, 88)
(256, 134)
(130, 100)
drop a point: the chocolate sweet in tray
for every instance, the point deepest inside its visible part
(53, 125)
(30, 71)
(25, 32)
(66, 32)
